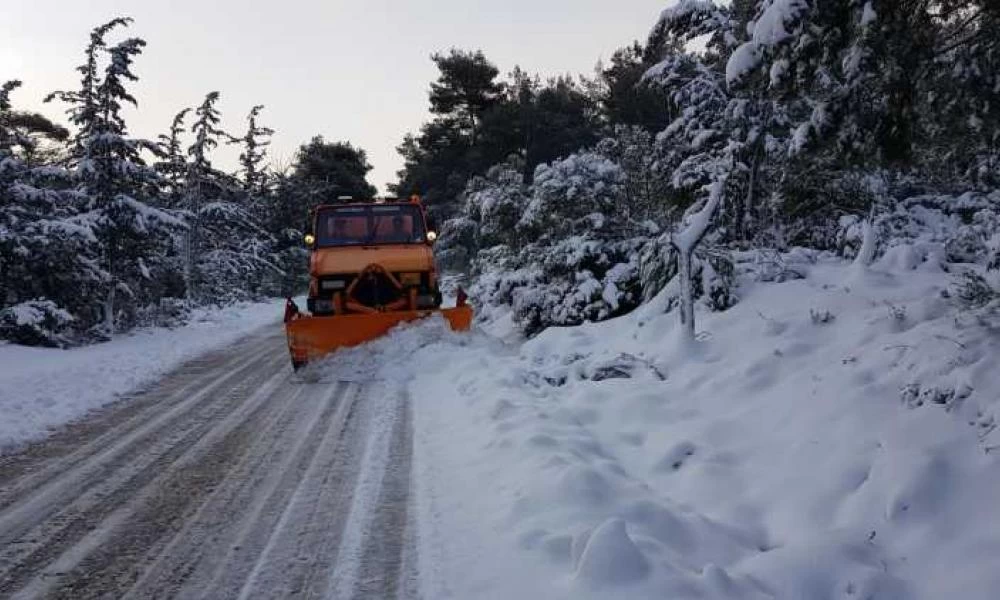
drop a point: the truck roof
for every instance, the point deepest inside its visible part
(371, 201)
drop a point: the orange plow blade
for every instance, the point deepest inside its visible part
(310, 337)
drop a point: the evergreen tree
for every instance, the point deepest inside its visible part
(255, 181)
(255, 142)
(481, 121)
(327, 170)
(225, 248)
(173, 165)
(114, 179)
(47, 272)
(625, 96)
(84, 103)
(465, 89)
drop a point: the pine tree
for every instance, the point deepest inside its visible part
(114, 178)
(324, 171)
(255, 142)
(257, 195)
(201, 183)
(465, 89)
(172, 165)
(85, 102)
(225, 248)
(47, 268)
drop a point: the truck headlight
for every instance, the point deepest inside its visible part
(333, 284)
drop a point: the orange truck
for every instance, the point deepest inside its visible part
(371, 267)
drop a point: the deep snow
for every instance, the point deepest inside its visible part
(828, 437)
(43, 388)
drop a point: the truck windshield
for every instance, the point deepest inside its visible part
(370, 225)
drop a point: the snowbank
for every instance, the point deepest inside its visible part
(42, 388)
(828, 437)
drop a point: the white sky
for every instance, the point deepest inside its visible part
(347, 69)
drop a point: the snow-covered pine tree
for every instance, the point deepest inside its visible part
(115, 180)
(255, 141)
(635, 150)
(47, 262)
(257, 195)
(286, 222)
(225, 247)
(201, 182)
(84, 103)
(172, 164)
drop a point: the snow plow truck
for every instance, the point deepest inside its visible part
(371, 267)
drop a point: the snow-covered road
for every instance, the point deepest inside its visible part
(831, 436)
(231, 478)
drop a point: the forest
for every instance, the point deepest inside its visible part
(101, 232)
(730, 136)
(734, 135)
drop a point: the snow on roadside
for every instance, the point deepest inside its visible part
(827, 438)
(43, 388)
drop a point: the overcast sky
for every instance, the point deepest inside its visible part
(355, 70)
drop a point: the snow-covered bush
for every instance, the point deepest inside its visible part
(456, 245)
(494, 204)
(36, 323)
(581, 193)
(168, 312)
(961, 229)
(974, 290)
(558, 252)
(576, 245)
(712, 275)
(575, 280)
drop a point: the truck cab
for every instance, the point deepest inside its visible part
(371, 257)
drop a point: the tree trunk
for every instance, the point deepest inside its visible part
(866, 253)
(746, 220)
(685, 242)
(687, 295)
(188, 259)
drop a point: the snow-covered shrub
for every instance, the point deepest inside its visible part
(975, 291)
(456, 244)
(962, 229)
(497, 202)
(712, 276)
(582, 248)
(233, 254)
(36, 323)
(573, 281)
(770, 265)
(817, 211)
(493, 205)
(168, 312)
(559, 252)
(821, 317)
(581, 193)
(644, 168)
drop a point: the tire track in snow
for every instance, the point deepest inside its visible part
(384, 570)
(256, 537)
(36, 528)
(187, 405)
(305, 540)
(71, 446)
(207, 536)
(238, 481)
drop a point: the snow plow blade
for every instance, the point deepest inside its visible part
(311, 337)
